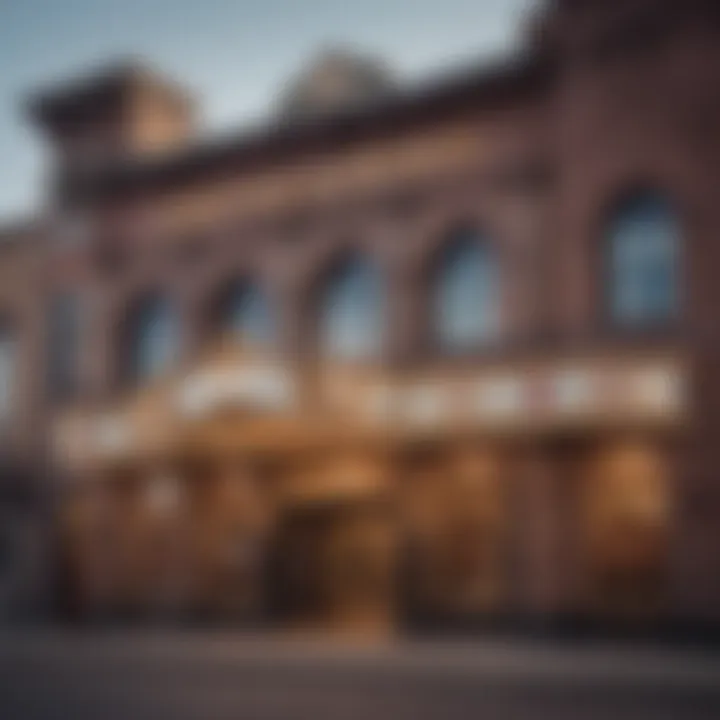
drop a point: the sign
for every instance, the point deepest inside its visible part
(573, 390)
(520, 397)
(112, 435)
(260, 387)
(550, 394)
(499, 398)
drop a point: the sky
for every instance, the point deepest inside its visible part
(233, 54)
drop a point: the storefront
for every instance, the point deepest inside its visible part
(241, 491)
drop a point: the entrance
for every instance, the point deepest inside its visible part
(334, 567)
(626, 517)
(457, 521)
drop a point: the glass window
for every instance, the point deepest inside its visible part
(7, 372)
(351, 313)
(63, 345)
(248, 316)
(643, 263)
(154, 339)
(466, 300)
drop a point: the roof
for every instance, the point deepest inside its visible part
(336, 78)
(278, 140)
(114, 81)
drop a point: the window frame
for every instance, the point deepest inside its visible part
(609, 317)
(463, 239)
(330, 283)
(131, 370)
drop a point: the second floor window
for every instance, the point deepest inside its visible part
(247, 315)
(643, 263)
(466, 310)
(351, 313)
(153, 339)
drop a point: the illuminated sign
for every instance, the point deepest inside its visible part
(112, 435)
(549, 394)
(498, 397)
(573, 390)
(660, 389)
(514, 398)
(260, 387)
(426, 404)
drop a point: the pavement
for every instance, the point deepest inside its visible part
(113, 675)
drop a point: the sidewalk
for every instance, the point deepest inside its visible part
(490, 659)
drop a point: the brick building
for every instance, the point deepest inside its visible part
(448, 349)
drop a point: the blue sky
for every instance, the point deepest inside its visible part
(235, 54)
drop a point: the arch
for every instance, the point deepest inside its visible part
(152, 339)
(465, 292)
(641, 261)
(350, 317)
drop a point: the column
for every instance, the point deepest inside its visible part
(543, 564)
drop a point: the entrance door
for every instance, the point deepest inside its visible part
(626, 524)
(335, 567)
(457, 525)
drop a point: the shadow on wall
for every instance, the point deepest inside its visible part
(24, 591)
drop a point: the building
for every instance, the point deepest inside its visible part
(443, 354)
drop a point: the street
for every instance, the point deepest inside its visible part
(113, 675)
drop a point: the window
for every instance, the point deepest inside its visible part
(246, 313)
(643, 263)
(350, 313)
(7, 372)
(153, 341)
(63, 346)
(466, 294)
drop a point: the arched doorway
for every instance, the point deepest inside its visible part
(335, 550)
(335, 566)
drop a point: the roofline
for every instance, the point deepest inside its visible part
(268, 142)
(59, 100)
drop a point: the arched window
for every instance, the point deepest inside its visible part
(351, 312)
(642, 262)
(7, 370)
(246, 313)
(466, 294)
(153, 339)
